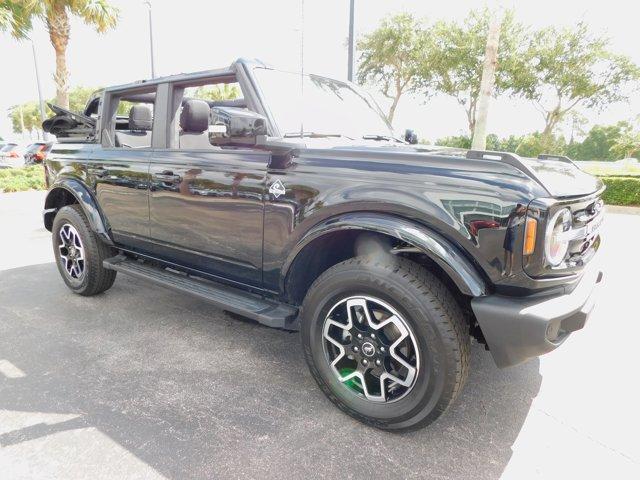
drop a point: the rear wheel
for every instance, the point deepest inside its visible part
(79, 253)
(386, 342)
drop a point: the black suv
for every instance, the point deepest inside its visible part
(293, 203)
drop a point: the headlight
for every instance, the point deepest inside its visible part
(556, 244)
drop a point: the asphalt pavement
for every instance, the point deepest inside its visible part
(141, 382)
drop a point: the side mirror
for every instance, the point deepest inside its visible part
(235, 125)
(410, 136)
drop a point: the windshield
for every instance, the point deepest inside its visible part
(34, 147)
(8, 147)
(320, 106)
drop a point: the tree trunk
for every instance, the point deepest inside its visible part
(550, 125)
(21, 120)
(59, 29)
(392, 108)
(471, 117)
(487, 84)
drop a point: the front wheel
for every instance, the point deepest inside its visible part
(386, 342)
(79, 253)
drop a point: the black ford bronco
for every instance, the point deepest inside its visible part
(288, 199)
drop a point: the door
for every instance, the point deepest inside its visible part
(206, 210)
(121, 179)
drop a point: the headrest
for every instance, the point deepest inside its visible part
(140, 118)
(194, 116)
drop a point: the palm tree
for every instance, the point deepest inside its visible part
(19, 14)
(11, 18)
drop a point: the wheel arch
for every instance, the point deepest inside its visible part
(70, 191)
(338, 235)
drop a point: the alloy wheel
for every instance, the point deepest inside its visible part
(71, 251)
(371, 348)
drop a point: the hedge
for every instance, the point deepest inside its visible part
(622, 190)
(20, 179)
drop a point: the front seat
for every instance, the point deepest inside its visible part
(140, 125)
(194, 125)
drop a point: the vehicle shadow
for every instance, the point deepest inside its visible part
(193, 393)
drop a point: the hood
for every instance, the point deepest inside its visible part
(563, 178)
(559, 176)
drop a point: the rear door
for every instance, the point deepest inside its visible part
(120, 174)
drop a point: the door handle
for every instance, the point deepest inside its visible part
(167, 177)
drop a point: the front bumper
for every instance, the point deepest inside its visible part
(520, 328)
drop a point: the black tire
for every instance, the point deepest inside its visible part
(430, 311)
(94, 278)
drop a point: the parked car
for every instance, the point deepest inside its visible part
(387, 256)
(37, 152)
(11, 156)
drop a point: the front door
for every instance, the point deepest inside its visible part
(206, 210)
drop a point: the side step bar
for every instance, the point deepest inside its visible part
(268, 312)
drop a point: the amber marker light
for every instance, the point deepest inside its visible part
(530, 236)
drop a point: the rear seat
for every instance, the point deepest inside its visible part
(194, 125)
(140, 125)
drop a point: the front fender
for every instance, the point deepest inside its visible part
(84, 198)
(435, 246)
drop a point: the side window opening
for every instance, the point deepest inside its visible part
(133, 120)
(220, 93)
(194, 110)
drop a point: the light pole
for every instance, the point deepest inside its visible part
(153, 68)
(40, 101)
(351, 41)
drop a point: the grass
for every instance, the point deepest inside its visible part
(21, 179)
(622, 191)
(610, 171)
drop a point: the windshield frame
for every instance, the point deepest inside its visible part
(276, 129)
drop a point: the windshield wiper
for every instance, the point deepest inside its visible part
(385, 138)
(314, 135)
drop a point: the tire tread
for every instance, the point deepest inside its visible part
(444, 312)
(100, 279)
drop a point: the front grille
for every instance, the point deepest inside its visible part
(588, 213)
(586, 223)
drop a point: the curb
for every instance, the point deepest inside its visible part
(622, 210)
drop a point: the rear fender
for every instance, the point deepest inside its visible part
(84, 198)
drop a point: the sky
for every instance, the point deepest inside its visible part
(193, 35)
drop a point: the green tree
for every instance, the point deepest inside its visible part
(573, 68)
(390, 57)
(454, 66)
(12, 19)
(627, 145)
(27, 114)
(598, 143)
(537, 143)
(457, 141)
(509, 144)
(78, 97)
(225, 91)
(55, 15)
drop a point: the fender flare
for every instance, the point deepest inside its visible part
(86, 201)
(442, 251)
